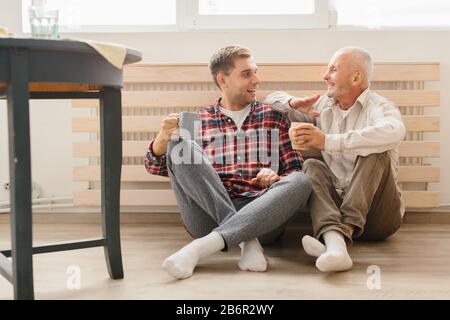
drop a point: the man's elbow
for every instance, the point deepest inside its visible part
(274, 97)
(398, 132)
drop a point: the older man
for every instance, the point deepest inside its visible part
(355, 192)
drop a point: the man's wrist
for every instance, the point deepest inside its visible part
(159, 146)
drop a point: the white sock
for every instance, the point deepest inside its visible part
(181, 264)
(336, 257)
(252, 258)
(312, 246)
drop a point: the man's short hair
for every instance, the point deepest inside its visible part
(361, 60)
(223, 60)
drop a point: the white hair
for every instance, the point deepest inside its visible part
(360, 59)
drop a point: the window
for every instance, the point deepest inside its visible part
(177, 15)
(387, 13)
(110, 16)
(257, 14)
(258, 7)
(180, 15)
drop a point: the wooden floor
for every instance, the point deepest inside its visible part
(414, 264)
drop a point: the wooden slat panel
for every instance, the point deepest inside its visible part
(130, 173)
(167, 73)
(424, 149)
(413, 199)
(197, 99)
(422, 123)
(421, 199)
(127, 198)
(129, 124)
(293, 72)
(406, 72)
(153, 123)
(418, 174)
(412, 98)
(138, 173)
(165, 99)
(382, 72)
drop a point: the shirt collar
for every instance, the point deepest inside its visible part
(217, 107)
(362, 99)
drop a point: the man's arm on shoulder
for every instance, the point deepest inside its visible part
(279, 101)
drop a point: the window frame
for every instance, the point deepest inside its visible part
(356, 27)
(103, 28)
(188, 19)
(195, 21)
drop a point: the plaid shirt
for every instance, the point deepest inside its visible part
(238, 155)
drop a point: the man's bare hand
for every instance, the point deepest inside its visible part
(169, 127)
(308, 135)
(265, 178)
(305, 105)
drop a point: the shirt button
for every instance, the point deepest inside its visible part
(239, 158)
(229, 120)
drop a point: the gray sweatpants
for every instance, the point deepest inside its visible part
(205, 205)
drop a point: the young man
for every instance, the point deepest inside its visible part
(232, 193)
(355, 192)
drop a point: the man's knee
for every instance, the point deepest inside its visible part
(374, 158)
(316, 170)
(298, 189)
(299, 182)
(312, 164)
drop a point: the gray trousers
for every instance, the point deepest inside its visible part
(371, 205)
(205, 205)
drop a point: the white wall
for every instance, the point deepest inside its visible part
(51, 137)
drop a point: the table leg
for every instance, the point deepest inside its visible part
(20, 176)
(111, 166)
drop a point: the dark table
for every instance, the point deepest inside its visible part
(59, 69)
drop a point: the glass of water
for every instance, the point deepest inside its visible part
(44, 22)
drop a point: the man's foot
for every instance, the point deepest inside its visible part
(252, 258)
(334, 261)
(312, 246)
(182, 263)
(336, 257)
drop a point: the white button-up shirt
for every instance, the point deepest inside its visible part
(372, 125)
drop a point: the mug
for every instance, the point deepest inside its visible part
(295, 146)
(189, 124)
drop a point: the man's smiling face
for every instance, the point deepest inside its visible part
(241, 84)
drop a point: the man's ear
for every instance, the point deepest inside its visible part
(221, 79)
(357, 77)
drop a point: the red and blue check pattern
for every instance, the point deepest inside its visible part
(238, 155)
